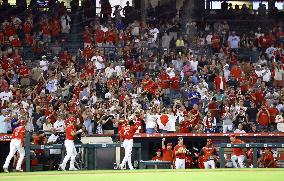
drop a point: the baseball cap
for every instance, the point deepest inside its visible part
(169, 144)
(209, 140)
(233, 135)
(22, 122)
(180, 138)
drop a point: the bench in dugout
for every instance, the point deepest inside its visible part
(155, 164)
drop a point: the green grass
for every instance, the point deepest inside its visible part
(151, 175)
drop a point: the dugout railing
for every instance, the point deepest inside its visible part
(89, 156)
(254, 146)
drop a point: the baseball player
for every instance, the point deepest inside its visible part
(126, 134)
(69, 145)
(17, 144)
(210, 154)
(180, 153)
(158, 156)
(238, 156)
(267, 159)
(167, 151)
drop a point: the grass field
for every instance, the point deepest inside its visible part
(151, 175)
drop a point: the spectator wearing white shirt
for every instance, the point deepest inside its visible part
(240, 129)
(278, 75)
(110, 71)
(270, 51)
(194, 64)
(47, 126)
(234, 41)
(154, 34)
(51, 85)
(99, 61)
(59, 125)
(151, 122)
(227, 72)
(5, 120)
(43, 63)
(6, 96)
(266, 76)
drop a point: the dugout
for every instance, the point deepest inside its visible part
(105, 155)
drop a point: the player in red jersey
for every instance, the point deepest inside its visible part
(210, 154)
(126, 134)
(158, 156)
(180, 153)
(238, 153)
(167, 151)
(267, 159)
(69, 145)
(17, 144)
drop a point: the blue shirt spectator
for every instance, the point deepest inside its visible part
(194, 96)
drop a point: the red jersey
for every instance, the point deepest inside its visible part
(99, 36)
(263, 118)
(167, 155)
(69, 130)
(179, 155)
(208, 152)
(238, 151)
(128, 132)
(157, 158)
(273, 113)
(19, 133)
(188, 162)
(267, 159)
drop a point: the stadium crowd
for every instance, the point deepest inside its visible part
(166, 77)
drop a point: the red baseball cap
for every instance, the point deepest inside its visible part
(209, 140)
(233, 135)
(22, 123)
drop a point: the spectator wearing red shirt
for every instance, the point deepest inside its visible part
(24, 73)
(87, 37)
(55, 28)
(99, 36)
(110, 37)
(215, 43)
(164, 80)
(16, 42)
(236, 72)
(263, 118)
(46, 33)
(27, 27)
(2, 37)
(65, 58)
(17, 59)
(220, 82)
(174, 86)
(10, 30)
(273, 111)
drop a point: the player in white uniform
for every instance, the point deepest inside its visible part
(17, 144)
(126, 134)
(69, 145)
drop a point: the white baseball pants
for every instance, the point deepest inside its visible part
(70, 155)
(238, 160)
(209, 164)
(180, 163)
(15, 145)
(127, 145)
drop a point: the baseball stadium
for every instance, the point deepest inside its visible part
(141, 90)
